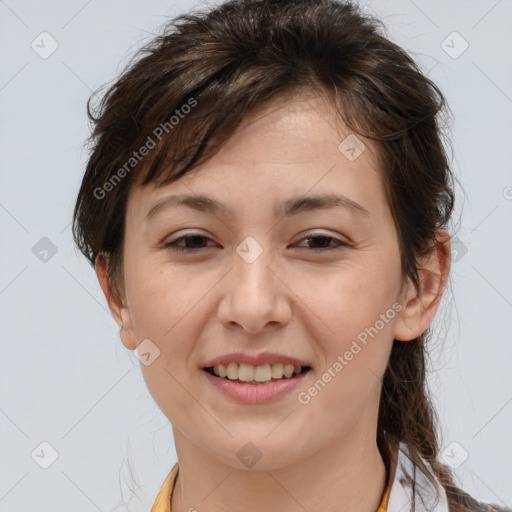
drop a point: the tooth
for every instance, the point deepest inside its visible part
(288, 370)
(246, 372)
(232, 371)
(262, 373)
(277, 370)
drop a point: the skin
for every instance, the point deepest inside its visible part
(292, 300)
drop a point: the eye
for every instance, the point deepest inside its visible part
(191, 243)
(324, 241)
(196, 242)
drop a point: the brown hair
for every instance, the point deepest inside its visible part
(224, 62)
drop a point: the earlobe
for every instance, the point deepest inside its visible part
(420, 305)
(126, 329)
(116, 305)
(405, 326)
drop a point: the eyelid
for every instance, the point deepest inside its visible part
(305, 234)
(338, 241)
(314, 234)
(186, 234)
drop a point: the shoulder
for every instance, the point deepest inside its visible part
(446, 499)
(480, 506)
(498, 508)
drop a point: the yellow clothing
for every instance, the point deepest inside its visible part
(163, 499)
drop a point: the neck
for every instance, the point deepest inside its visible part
(349, 474)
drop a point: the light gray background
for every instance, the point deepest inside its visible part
(65, 378)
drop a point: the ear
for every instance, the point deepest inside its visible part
(116, 304)
(420, 306)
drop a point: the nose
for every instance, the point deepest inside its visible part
(255, 296)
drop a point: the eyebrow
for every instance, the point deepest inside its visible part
(290, 207)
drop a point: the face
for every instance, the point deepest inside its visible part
(317, 284)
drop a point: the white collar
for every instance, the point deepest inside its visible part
(401, 493)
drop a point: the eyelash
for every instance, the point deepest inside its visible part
(174, 247)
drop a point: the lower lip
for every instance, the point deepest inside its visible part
(246, 393)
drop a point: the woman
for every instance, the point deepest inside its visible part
(266, 206)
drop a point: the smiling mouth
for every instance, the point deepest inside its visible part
(263, 374)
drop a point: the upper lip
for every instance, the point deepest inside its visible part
(255, 360)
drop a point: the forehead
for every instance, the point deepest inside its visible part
(288, 147)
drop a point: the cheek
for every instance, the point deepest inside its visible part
(168, 307)
(349, 384)
(162, 296)
(345, 302)
(353, 320)
(167, 312)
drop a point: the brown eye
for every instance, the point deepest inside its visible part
(192, 243)
(323, 243)
(195, 243)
